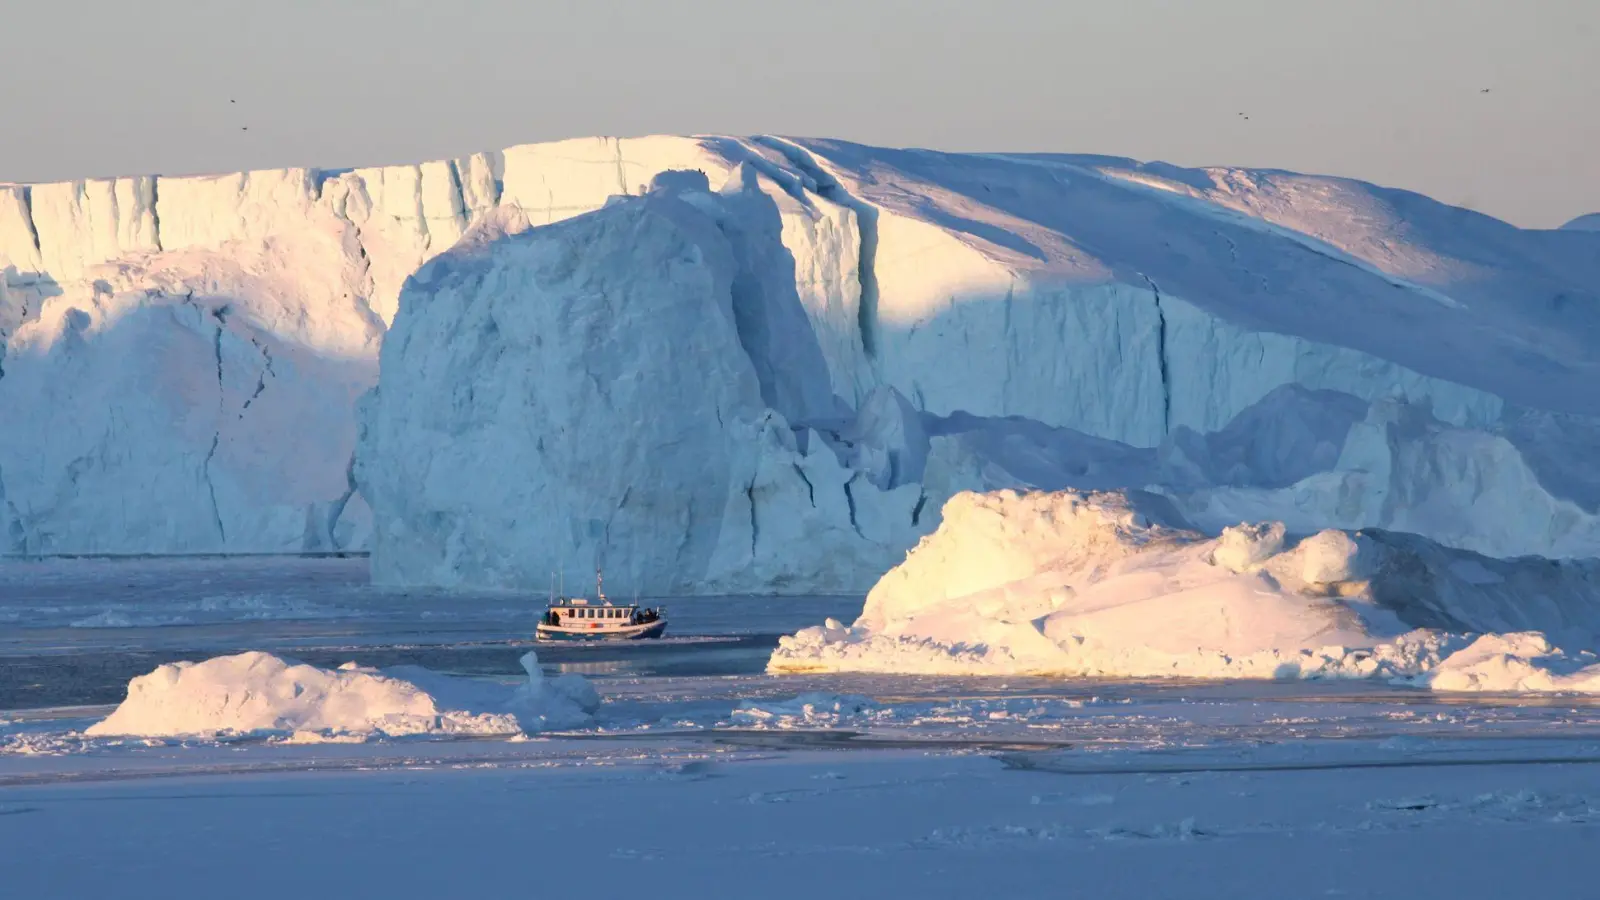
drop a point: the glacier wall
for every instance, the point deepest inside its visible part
(910, 323)
(194, 401)
(545, 409)
(179, 356)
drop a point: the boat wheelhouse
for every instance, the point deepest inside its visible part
(579, 619)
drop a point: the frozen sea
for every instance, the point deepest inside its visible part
(702, 777)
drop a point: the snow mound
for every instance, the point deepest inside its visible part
(255, 692)
(1522, 662)
(1076, 584)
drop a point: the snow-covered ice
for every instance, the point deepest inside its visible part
(889, 823)
(1523, 662)
(255, 692)
(892, 785)
(1078, 584)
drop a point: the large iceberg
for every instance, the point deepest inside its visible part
(1078, 584)
(855, 334)
(633, 382)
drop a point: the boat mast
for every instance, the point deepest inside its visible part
(599, 586)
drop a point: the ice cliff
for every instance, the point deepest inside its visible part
(754, 364)
(629, 383)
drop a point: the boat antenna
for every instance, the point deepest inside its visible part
(599, 586)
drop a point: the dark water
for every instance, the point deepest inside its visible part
(74, 632)
(101, 676)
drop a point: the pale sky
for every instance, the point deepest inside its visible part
(1384, 90)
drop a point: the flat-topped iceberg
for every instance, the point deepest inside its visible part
(820, 345)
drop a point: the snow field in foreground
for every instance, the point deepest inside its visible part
(1075, 584)
(886, 824)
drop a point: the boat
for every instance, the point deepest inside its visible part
(579, 619)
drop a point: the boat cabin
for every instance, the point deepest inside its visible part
(579, 612)
(577, 618)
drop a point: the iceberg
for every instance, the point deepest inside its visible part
(1094, 584)
(258, 693)
(858, 333)
(616, 412)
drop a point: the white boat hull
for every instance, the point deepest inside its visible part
(600, 631)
